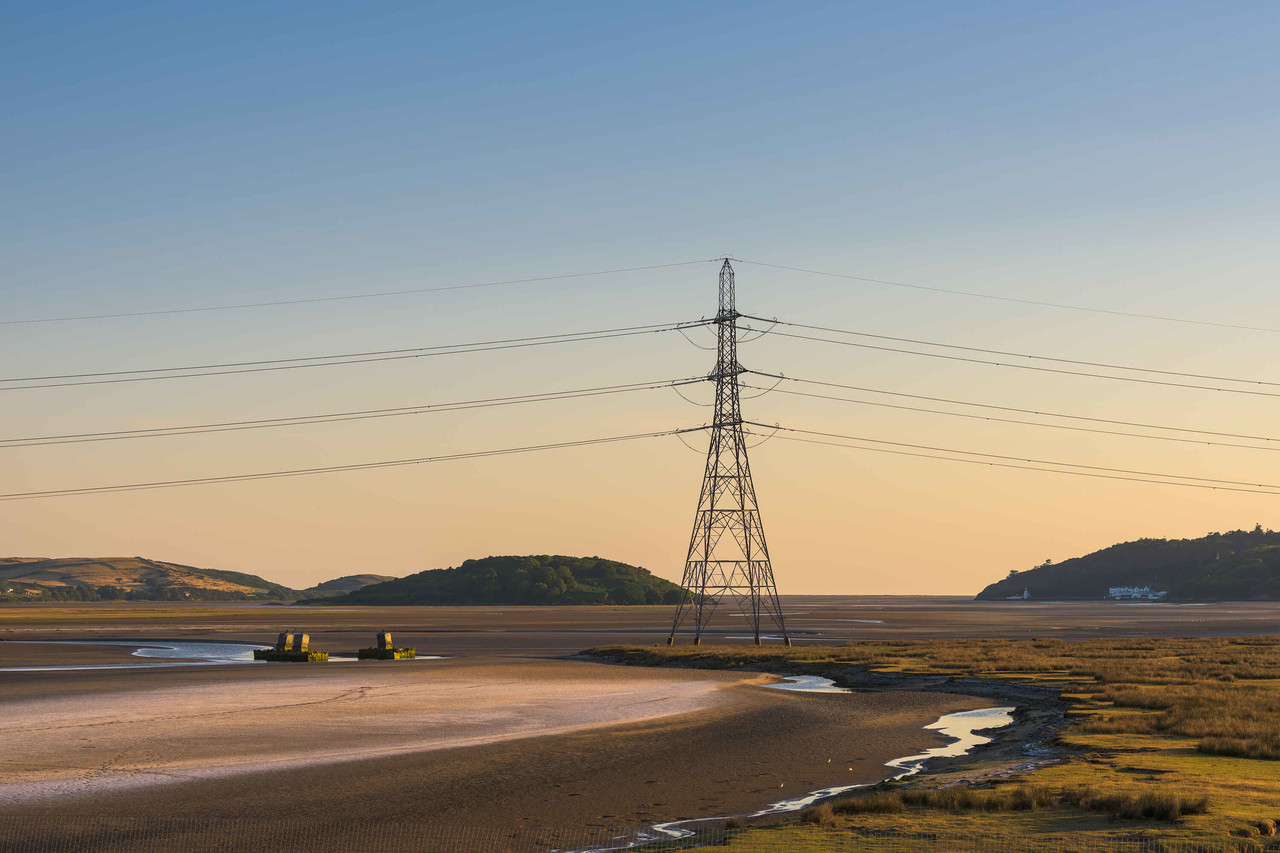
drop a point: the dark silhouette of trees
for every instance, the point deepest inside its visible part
(539, 579)
(1239, 565)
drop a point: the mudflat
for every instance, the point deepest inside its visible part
(20, 654)
(149, 729)
(566, 630)
(328, 757)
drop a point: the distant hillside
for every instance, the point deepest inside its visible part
(1237, 566)
(523, 580)
(344, 584)
(128, 579)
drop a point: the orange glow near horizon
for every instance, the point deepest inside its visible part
(838, 520)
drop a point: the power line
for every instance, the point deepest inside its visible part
(990, 418)
(1018, 300)
(1039, 369)
(336, 417)
(1023, 467)
(1253, 487)
(1139, 424)
(345, 297)
(651, 327)
(963, 348)
(299, 363)
(362, 466)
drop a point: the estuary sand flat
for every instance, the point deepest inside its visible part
(150, 729)
(497, 630)
(438, 745)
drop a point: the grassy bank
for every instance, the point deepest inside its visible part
(1175, 739)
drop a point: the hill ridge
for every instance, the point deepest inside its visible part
(144, 579)
(515, 580)
(1239, 565)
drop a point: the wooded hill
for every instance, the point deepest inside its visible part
(523, 580)
(1240, 565)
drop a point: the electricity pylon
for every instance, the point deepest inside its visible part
(727, 551)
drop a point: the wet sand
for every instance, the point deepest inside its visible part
(64, 654)
(145, 731)
(532, 746)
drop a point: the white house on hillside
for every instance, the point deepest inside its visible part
(1135, 593)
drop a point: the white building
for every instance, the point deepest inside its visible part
(1130, 593)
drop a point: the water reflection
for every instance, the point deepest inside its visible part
(172, 653)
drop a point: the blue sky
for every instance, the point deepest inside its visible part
(379, 138)
(155, 155)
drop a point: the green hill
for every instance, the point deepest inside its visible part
(128, 579)
(523, 580)
(1241, 565)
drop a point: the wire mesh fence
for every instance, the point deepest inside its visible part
(350, 834)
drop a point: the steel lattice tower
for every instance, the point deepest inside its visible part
(727, 550)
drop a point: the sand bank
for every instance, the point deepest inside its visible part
(139, 734)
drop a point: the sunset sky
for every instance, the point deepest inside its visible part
(1113, 156)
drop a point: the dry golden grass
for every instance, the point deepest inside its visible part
(1225, 692)
(1226, 718)
(1147, 805)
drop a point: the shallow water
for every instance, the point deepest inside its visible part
(809, 684)
(172, 653)
(821, 619)
(169, 652)
(796, 639)
(963, 726)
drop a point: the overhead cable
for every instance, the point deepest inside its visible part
(1020, 467)
(1015, 299)
(1039, 369)
(336, 417)
(1017, 421)
(297, 363)
(349, 296)
(1039, 412)
(362, 466)
(1220, 483)
(1103, 364)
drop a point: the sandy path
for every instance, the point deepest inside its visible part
(108, 740)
